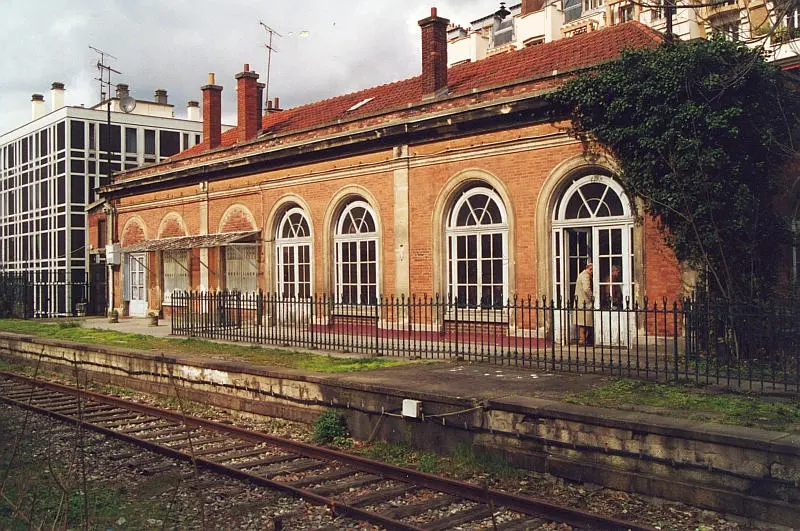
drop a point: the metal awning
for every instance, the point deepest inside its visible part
(193, 242)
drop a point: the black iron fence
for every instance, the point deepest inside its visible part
(690, 340)
(27, 295)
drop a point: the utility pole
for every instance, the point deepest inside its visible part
(268, 45)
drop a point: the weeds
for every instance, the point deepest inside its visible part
(330, 427)
(695, 403)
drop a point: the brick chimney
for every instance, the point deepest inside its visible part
(261, 87)
(248, 105)
(434, 55)
(212, 113)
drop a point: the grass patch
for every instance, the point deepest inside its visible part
(72, 331)
(695, 403)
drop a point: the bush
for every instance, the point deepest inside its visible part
(330, 427)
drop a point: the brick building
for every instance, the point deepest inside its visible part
(456, 182)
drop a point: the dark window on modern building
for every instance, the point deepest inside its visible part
(78, 189)
(76, 129)
(149, 142)
(170, 143)
(130, 140)
(43, 144)
(114, 141)
(60, 136)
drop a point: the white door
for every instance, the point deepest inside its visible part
(137, 279)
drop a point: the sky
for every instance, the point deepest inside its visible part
(326, 48)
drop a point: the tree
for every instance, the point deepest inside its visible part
(702, 133)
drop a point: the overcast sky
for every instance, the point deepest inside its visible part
(327, 47)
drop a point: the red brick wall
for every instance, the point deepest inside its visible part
(522, 173)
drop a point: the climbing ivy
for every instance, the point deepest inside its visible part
(702, 134)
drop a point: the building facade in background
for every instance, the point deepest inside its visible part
(50, 169)
(533, 22)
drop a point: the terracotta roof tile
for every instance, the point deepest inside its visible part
(535, 61)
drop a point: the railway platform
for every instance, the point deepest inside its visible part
(519, 412)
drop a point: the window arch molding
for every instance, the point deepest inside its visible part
(443, 206)
(168, 218)
(337, 205)
(560, 179)
(233, 210)
(130, 227)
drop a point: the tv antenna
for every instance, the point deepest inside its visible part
(102, 68)
(268, 45)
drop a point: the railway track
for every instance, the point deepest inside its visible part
(385, 495)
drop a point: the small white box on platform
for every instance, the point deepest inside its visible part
(412, 408)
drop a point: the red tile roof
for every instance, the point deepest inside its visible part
(535, 61)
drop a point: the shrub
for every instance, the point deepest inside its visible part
(330, 427)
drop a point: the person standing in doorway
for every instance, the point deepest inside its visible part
(584, 294)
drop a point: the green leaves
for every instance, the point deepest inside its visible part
(702, 132)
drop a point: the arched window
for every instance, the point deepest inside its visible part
(356, 260)
(477, 249)
(293, 254)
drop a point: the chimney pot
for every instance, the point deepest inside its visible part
(56, 95)
(212, 113)
(160, 97)
(122, 90)
(37, 106)
(248, 105)
(193, 111)
(434, 55)
(277, 103)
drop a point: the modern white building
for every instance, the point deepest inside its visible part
(533, 22)
(50, 169)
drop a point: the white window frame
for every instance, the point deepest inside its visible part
(241, 273)
(561, 223)
(176, 273)
(341, 240)
(454, 232)
(295, 244)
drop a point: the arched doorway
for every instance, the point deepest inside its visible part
(593, 222)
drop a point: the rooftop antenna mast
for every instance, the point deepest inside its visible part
(102, 68)
(271, 33)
